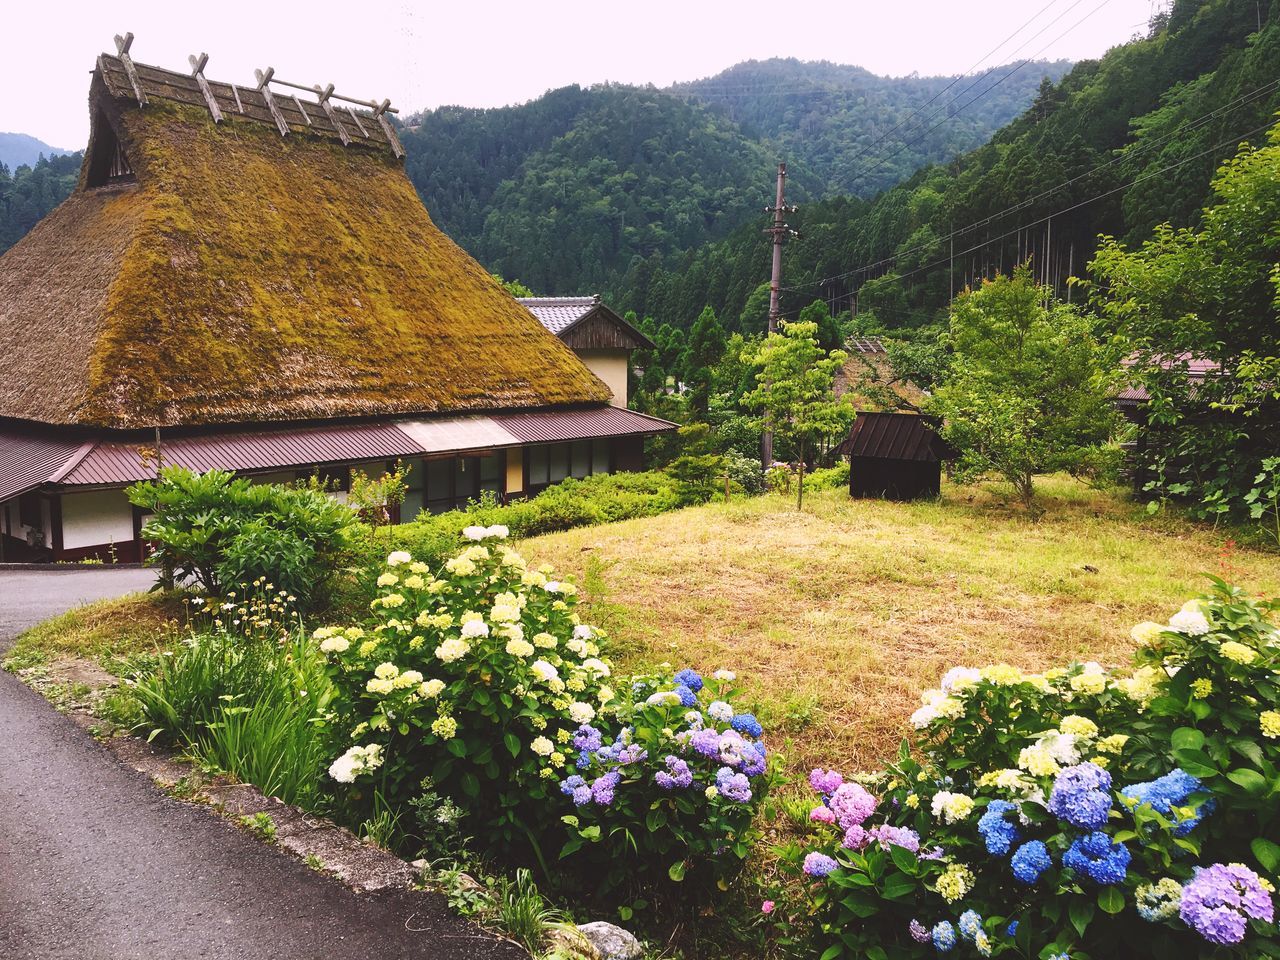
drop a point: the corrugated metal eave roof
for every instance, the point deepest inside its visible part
(27, 462)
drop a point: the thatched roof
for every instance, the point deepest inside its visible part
(233, 274)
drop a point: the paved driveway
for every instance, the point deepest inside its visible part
(28, 597)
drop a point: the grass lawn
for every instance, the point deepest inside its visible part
(836, 618)
(135, 623)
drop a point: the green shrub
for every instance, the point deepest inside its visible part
(246, 699)
(828, 478)
(219, 532)
(1074, 813)
(604, 498)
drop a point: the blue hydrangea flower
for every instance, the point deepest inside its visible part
(576, 788)
(970, 924)
(687, 697)
(747, 725)
(1012, 929)
(944, 936)
(1081, 796)
(1099, 858)
(690, 678)
(997, 831)
(1169, 791)
(818, 864)
(1030, 860)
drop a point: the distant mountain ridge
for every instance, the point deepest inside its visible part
(569, 191)
(21, 149)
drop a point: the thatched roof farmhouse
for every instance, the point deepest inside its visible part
(247, 273)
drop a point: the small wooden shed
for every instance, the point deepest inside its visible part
(897, 456)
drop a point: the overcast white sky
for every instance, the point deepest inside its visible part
(494, 52)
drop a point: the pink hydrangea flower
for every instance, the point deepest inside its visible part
(767, 907)
(822, 815)
(855, 838)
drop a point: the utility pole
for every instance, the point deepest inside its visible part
(780, 232)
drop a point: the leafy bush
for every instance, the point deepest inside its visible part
(247, 695)
(482, 678)
(604, 498)
(220, 532)
(1075, 813)
(829, 478)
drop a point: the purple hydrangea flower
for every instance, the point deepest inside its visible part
(676, 776)
(1218, 902)
(825, 781)
(1029, 861)
(1081, 796)
(919, 932)
(576, 788)
(706, 742)
(690, 678)
(746, 723)
(753, 760)
(588, 738)
(904, 837)
(734, 786)
(1099, 858)
(818, 864)
(602, 788)
(855, 838)
(851, 804)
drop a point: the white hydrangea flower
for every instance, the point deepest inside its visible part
(720, 711)
(542, 747)
(951, 807)
(497, 530)
(596, 666)
(386, 671)
(544, 671)
(580, 712)
(473, 532)
(728, 676)
(583, 632)
(334, 645)
(388, 580)
(1193, 623)
(432, 688)
(957, 678)
(452, 649)
(475, 628)
(398, 557)
(552, 586)
(356, 761)
(519, 648)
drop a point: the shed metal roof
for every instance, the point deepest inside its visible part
(895, 436)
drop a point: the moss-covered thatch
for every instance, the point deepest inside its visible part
(248, 277)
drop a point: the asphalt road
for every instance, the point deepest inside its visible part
(96, 863)
(28, 597)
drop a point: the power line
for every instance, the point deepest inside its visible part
(1120, 155)
(981, 77)
(909, 143)
(1076, 206)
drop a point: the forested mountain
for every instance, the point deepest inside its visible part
(860, 133)
(1142, 130)
(27, 193)
(21, 149)
(567, 191)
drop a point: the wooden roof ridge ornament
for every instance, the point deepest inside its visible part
(322, 97)
(122, 53)
(363, 132)
(197, 71)
(303, 110)
(235, 92)
(264, 87)
(380, 111)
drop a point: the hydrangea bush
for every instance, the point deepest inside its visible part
(674, 792)
(1076, 813)
(477, 676)
(481, 680)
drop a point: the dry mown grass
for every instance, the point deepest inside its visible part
(838, 617)
(130, 624)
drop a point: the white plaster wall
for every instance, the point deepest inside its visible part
(611, 367)
(95, 518)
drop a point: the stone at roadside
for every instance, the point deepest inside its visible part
(569, 943)
(611, 941)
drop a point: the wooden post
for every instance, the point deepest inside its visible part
(322, 97)
(303, 110)
(380, 112)
(264, 87)
(122, 53)
(197, 71)
(356, 119)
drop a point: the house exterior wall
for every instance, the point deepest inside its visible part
(611, 366)
(96, 518)
(515, 471)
